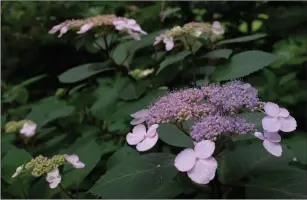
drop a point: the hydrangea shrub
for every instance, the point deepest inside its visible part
(203, 138)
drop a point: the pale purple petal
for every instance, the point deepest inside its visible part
(259, 135)
(137, 121)
(55, 29)
(139, 129)
(203, 171)
(185, 160)
(204, 149)
(52, 174)
(169, 45)
(147, 143)
(131, 22)
(271, 124)
(79, 165)
(272, 137)
(139, 114)
(273, 148)
(28, 129)
(63, 30)
(55, 182)
(71, 158)
(288, 124)
(271, 109)
(135, 36)
(218, 28)
(152, 131)
(85, 28)
(134, 139)
(283, 112)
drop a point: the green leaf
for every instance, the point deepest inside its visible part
(171, 135)
(32, 80)
(298, 145)
(243, 39)
(287, 78)
(124, 52)
(286, 184)
(83, 71)
(250, 159)
(243, 64)
(121, 155)
(166, 190)
(173, 59)
(136, 177)
(134, 90)
(48, 110)
(13, 159)
(219, 53)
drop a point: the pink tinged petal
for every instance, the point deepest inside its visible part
(71, 158)
(288, 124)
(203, 171)
(63, 30)
(273, 148)
(147, 143)
(283, 112)
(137, 121)
(85, 28)
(169, 45)
(55, 182)
(135, 36)
(204, 149)
(139, 114)
(152, 131)
(259, 135)
(131, 22)
(271, 124)
(185, 160)
(79, 165)
(271, 109)
(272, 137)
(55, 29)
(134, 139)
(139, 129)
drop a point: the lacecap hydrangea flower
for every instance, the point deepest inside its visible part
(102, 24)
(28, 129)
(195, 29)
(41, 166)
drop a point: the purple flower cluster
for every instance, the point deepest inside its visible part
(213, 107)
(211, 126)
(232, 96)
(180, 105)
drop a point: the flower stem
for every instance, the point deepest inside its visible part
(65, 191)
(216, 187)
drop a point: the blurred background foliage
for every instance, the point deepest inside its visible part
(28, 50)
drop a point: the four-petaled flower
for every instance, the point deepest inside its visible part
(53, 178)
(130, 26)
(74, 160)
(270, 142)
(28, 129)
(277, 119)
(139, 117)
(198, 163)
(217, 30)
(169, 42)
(18, 171)
(142, 139)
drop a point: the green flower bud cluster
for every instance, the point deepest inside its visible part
(42, 165)
(14, 126)
(60, 92)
